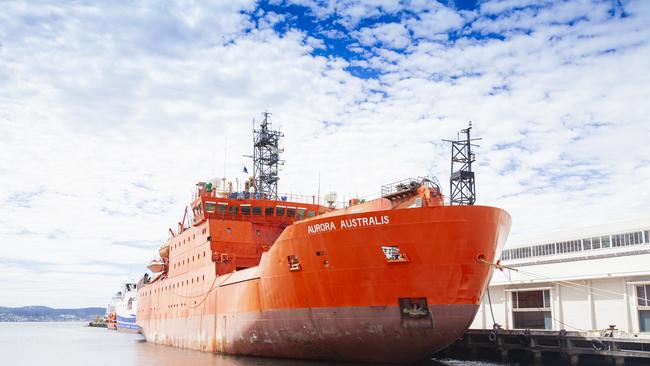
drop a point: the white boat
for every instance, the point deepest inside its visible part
(126, 308)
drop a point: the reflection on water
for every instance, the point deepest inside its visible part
(72, 344)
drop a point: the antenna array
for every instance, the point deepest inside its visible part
(266, 158)
(462, 185)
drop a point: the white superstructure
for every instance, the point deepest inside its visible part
(584, 280)
(126, 308)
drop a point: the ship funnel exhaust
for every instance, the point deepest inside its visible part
(462, 185)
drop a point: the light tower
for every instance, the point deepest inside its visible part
(462, 186)
(266, 158)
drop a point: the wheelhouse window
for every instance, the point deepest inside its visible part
(311, 213)
(279, 211)
(268, 211)
(257, 210)
(532, 309)
(222, 207)
(210, 207)
(245, 209)
(291, 211)
(233, 210)
(301, 213)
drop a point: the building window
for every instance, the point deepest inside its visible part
(643, 302)
(633, 238)
(505, 255)
(532, 309)
(569, 246)
(604, 241)
(595, 243)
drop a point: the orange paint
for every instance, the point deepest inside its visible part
(278, 286)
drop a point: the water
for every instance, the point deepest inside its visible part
(72, 344)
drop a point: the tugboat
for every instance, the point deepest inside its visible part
(111, 315)
(255, 272)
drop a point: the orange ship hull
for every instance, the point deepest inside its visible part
(329, 289)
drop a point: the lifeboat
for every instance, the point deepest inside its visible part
(164, 250)
(156, 265)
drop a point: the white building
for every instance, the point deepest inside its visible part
(580, 281)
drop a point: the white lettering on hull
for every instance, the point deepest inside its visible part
(319, 228)
(348, 224)
(364, 221)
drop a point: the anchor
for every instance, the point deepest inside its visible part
(415, 311)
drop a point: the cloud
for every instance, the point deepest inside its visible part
(390, 35)
(109, 113)
(439, 20)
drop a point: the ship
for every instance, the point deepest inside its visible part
(125, 308)
(254, 272)
(111, 318)
(111, 314)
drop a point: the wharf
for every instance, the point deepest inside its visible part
(543, 347)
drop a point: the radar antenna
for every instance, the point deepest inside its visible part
(266, 158)
(462, 185)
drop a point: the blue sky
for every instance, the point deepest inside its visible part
(111, 111)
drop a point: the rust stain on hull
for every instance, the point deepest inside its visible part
(346, 334)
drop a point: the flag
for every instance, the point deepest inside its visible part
(245, 170)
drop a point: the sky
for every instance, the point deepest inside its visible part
(111, 111)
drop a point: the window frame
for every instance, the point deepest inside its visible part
(211, 204)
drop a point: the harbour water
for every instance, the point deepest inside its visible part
(72, 344)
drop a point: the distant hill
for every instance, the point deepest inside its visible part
(46, 314)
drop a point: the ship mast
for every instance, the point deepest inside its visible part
(266, 158)
(462, 186)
